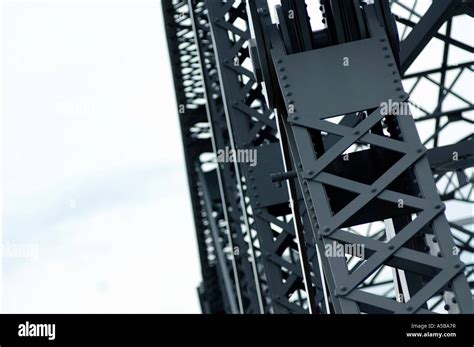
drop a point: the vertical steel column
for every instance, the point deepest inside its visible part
(325, 179)
(196, 141)
(252, 127)
(448, 124)
(247, 283)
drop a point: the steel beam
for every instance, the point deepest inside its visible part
(263, 246)
(252, 127)
(425, 30)
(319, 170)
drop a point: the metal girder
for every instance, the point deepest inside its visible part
(321, 168)
(252, 126)
(179, 31)
(451, 163)
(441, 158)
(232, 67)
(426, 28)
(247, 283)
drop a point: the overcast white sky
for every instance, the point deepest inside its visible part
(93, 169)
(93, 172)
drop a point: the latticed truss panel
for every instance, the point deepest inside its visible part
(357, 175)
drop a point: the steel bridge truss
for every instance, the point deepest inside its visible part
(334, 170)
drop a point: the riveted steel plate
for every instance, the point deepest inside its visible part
(266, 192)
(340, 79)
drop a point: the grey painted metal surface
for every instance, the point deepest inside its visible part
(309, 103)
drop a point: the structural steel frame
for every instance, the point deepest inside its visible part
(240, 85)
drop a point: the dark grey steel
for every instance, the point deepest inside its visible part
(340, 163)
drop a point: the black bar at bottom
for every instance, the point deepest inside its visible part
(454, 330)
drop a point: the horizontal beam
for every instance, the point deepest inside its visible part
(454, 157)
(438, 70)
